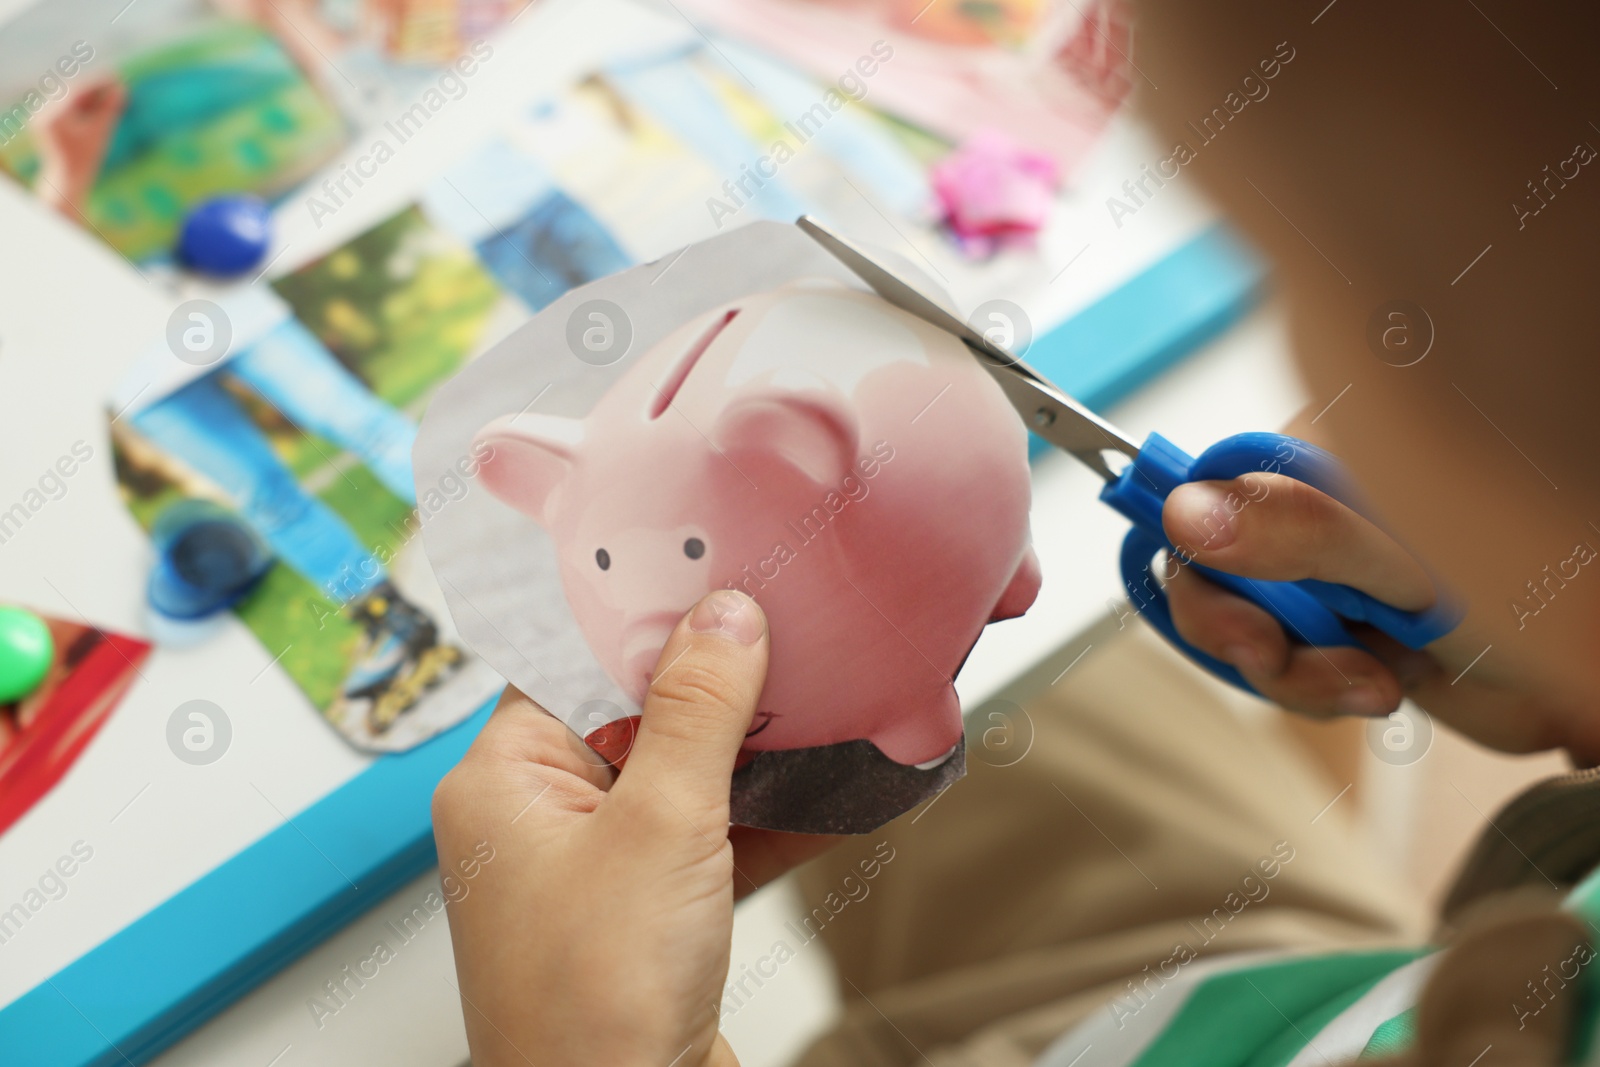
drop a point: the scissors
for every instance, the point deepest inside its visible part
(1311, 612)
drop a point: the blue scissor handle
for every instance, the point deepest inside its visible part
(1312, 612)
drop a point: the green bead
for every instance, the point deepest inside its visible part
(26, 652)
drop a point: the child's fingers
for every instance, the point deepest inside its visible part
(521, 774)
(1274, 527)
(701, 700)
(1226, 626)
(1328, 682)
(520, 732)
(1321, 682)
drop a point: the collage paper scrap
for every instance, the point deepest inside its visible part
(191, 99)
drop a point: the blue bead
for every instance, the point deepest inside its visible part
(225, 235)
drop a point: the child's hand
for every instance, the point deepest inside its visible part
(600, 932)
(1277, 528)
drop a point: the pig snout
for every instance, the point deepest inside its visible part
(639, 582)
(642, 639)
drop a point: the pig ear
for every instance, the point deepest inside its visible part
(528, 457)
(815, 433)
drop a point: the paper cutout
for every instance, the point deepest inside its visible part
(993, 191)
(211, 106)
(42, 734)
(124, 132)
(756, 421)
(1049, 74)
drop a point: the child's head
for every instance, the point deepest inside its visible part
(1422, 153)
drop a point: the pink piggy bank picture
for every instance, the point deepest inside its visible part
(853, 469)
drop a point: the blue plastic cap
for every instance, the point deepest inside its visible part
(226, 235)
(207, 559)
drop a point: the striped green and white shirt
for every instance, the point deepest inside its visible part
(1282, 1009)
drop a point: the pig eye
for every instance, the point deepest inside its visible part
(602, 557)
(694, 548)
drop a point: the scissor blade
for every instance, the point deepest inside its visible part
(894, 289)
(1048, 412)
(1059, 419)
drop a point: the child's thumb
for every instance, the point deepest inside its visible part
(702, 698)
